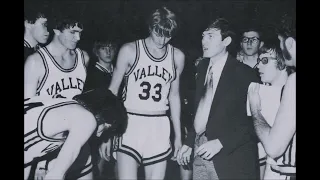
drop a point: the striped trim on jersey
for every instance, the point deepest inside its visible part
(26, 44)
(82, 57)
(151, 56)
(43, 115)
(36, 135)
(57, 64)
(173, 65)
(125, 88)
(135, 60)
(103, 69)
(46, 73)
(127, 74)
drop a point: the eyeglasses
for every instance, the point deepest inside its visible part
(265, 60)
(253, 40)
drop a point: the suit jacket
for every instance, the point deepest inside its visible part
(228, 121)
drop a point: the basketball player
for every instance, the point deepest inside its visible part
(46, 124)
(152, 69)
(58, 69)
(273, 72)
(35, 29)
(279, 141)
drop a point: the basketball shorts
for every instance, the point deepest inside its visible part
(147, 139)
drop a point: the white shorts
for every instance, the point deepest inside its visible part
(147, 139)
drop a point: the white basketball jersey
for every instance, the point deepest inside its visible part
(36, 143)
(60, 81)
(148, 81)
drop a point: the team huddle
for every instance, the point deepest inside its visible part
(139, 97)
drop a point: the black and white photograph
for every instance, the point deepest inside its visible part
(159, 90)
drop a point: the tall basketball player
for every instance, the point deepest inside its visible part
(151, 68)
(35, 29)
(58, 69)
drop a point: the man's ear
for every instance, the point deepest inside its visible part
(56, 32)
(27, 25)
(261, 44)
(227, 41)
(290, 43)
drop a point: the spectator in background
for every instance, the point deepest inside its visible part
(250, 42)
(99, 76)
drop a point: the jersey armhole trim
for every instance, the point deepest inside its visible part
(83, 60)
(136, 59)
(173, 65)
(45, 77)
(43, 115)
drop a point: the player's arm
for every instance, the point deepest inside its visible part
(86, 58)
(124, 61)
(275, 139)
(33, 68)
(174, 96)
(80, 129)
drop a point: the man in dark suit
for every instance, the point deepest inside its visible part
(223, 135)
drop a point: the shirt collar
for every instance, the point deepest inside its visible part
(98, 65)
(26, 44)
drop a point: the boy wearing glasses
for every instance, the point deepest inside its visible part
(250, 43)
(151, 68)
(279, 140)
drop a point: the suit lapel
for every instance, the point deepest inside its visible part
(225, 82)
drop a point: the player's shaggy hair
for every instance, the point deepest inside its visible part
(106, 108)
(164, 22)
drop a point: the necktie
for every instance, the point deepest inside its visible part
(204, 106)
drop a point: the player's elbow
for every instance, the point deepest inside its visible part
(274, 151)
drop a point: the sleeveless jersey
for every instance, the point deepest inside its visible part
(286, 162)
(59, 81)
(36, 144)
(148, 81)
